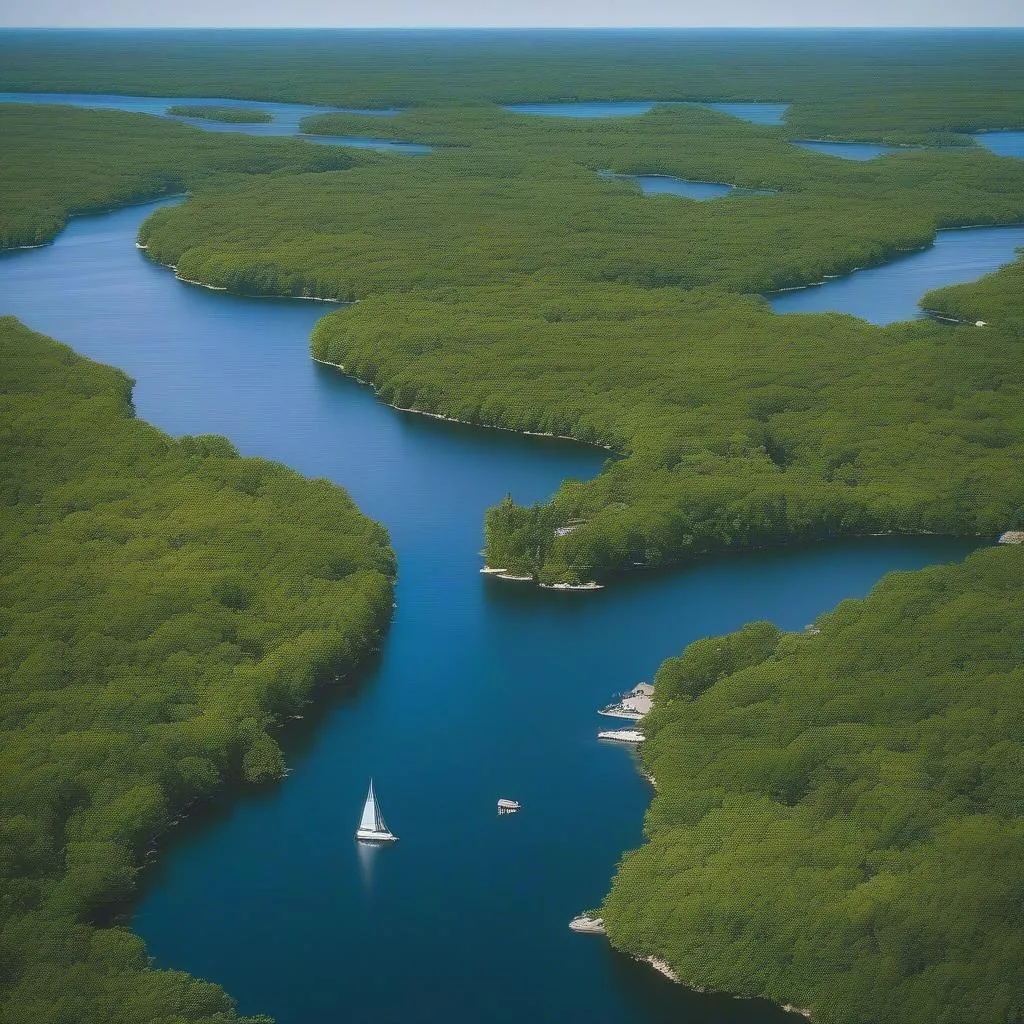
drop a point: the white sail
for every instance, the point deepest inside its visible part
(371, 825)
(370, 820)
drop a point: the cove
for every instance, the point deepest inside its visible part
(756, 113)
(666, 185)
(1003, 143)
(482, 690)
(892, 291)
(287, 117)
(846, 150)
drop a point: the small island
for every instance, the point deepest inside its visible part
(231, 115)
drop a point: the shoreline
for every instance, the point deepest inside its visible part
(897, 255)
(662, 966)
(589, 923)
(454, 419)
(224, 288)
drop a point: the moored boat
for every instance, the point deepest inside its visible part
(622, 735)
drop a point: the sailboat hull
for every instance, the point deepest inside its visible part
(370, 835)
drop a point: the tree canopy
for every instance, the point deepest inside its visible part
(166, 604)
(839, 817)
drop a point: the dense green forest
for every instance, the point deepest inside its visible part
(230, 115)
(999, 296)
(851, 84)
(571, 304)
(839, 817)
(166, 603)
(60, 161)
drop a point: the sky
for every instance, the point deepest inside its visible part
(510, 13)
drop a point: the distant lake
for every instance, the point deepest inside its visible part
(846, 150)
(663, 184)
(286, 116)
(756, 113)
(1003, 143)
(483, 690)
(666, 185)
(892, 291)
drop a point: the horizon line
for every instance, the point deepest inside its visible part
(513, 28)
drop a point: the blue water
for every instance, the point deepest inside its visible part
(663, 184)
(483, 690)
(757, 113)
(892, 291)
(384, 145)
(666, 185)
(287, 116)
(1009, 143)
(846, 150)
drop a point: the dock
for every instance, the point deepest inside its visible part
(622, 735)
(634, 705)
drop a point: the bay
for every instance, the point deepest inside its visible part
(893, 290)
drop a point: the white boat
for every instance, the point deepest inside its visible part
(508, 806)
(371, 826)
(622, 735)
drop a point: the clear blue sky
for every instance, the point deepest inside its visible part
(510, 13)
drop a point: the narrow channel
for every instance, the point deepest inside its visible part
(483, 690)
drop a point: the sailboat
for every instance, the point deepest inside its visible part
(371, 825)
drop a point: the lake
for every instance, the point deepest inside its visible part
(846, 150)
(484, 689)
(666, 185)
(756, 113)
(1008, 143)
(286, 116)
(892, 291)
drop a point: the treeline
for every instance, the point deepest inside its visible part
(839, 817)
(166, 604)
(60, 161)
(230, 115)
(875, 85)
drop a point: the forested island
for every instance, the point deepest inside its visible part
(839, 816)
(837, 823)
(230, 115)
(167, 604)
